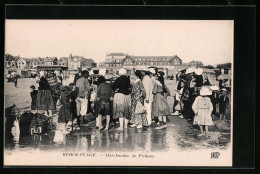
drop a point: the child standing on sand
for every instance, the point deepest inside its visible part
(65, 111)
(33, 94)
(203, 108)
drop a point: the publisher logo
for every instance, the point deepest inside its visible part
(215, 155)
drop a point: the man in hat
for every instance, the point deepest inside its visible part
(83, 95)
(15, 80)
(215, 100)
(223, 103)
(77, 75)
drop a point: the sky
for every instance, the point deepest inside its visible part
(209, 41)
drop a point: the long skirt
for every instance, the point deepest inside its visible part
(45, 100)
(138, 119)
(103, 107)
(160, 106)
(122, 106)
(65, 115)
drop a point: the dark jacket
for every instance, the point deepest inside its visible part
(223, 101)
(122, 85)
(199, 80)
(43, 84)
(34, 99)
(77, 76)
(105, 91)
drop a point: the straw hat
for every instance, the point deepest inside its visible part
(151, 70)
(198, 71)
(122, 71)
(189, 70)
(214, 88)
(102, 71)
(205, 91)
(91, 72)
(41, 73)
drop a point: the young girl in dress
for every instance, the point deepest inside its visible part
(203, 108)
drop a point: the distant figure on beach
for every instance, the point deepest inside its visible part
(15, 80)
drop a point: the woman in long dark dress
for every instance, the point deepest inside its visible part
(44, 98)
(137, 97)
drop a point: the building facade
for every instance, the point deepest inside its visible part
(11, 61)
(101, 65)
(51, 61)
(196, 64)
(114, 60)
(23, 63)
(169, 64)
(74, 62)
(63, 61)
(88, 64)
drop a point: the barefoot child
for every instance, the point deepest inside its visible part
(33, 94)
(203, 108)
(177, 101)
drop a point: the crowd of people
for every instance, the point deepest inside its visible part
(142, 102)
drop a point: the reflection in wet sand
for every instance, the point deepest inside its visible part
(88, 138)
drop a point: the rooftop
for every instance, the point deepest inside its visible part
(116, 54)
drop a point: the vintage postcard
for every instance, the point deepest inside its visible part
(118, 92)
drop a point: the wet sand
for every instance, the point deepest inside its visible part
(180, 134)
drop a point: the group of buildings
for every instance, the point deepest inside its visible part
(26, 66)
(113, 62)
(169, 64)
